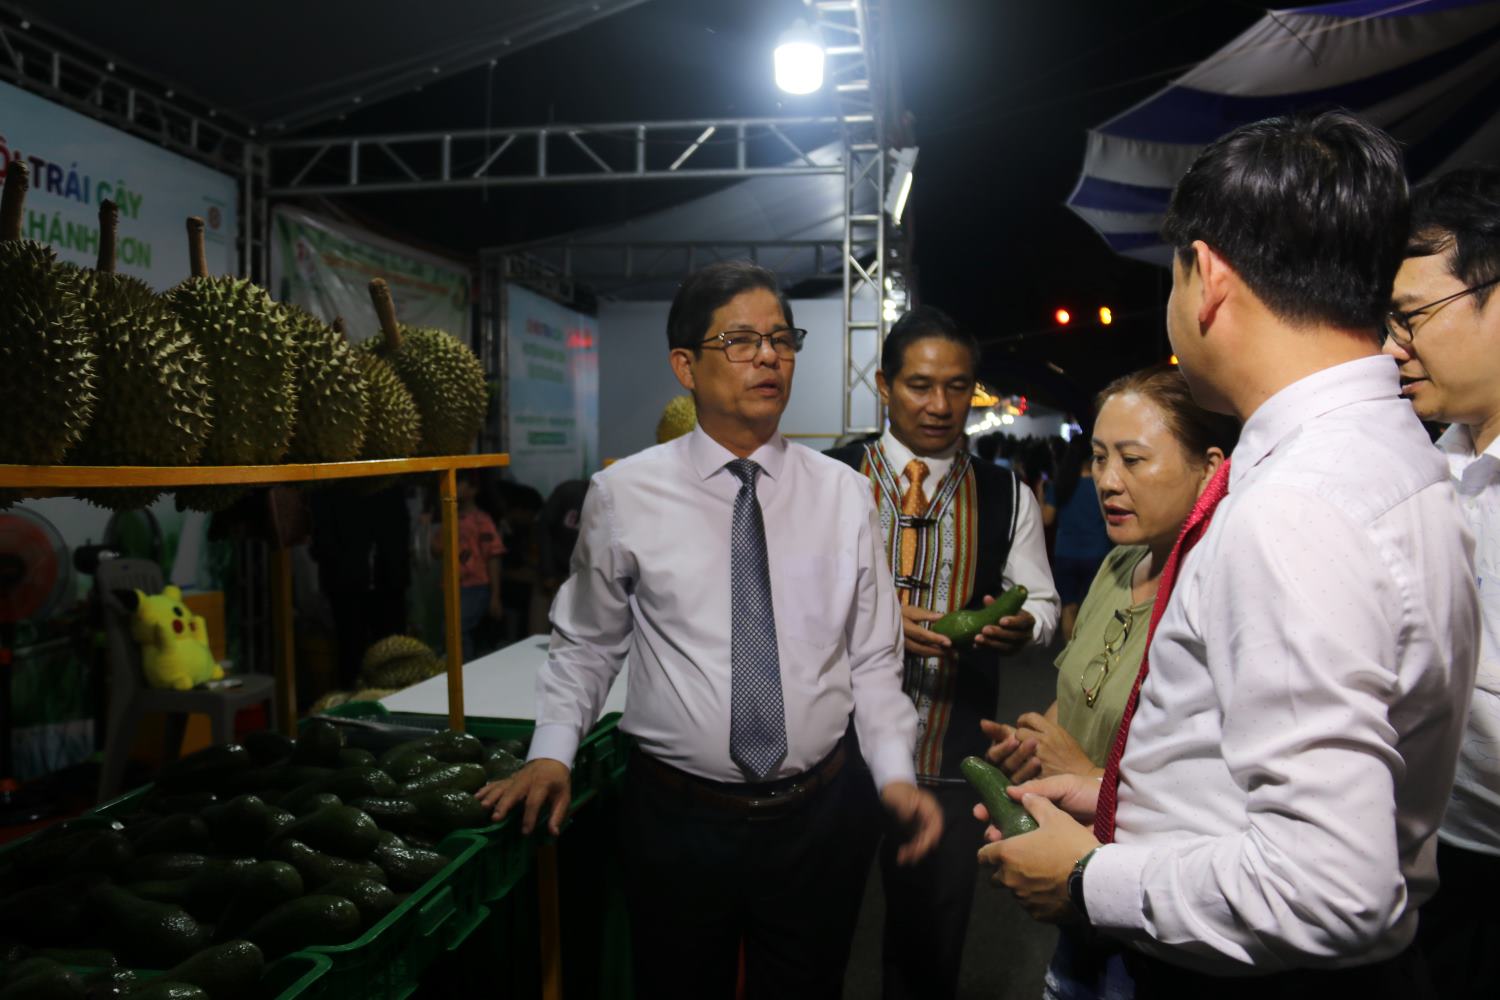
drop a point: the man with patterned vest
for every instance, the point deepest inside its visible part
(958, 533)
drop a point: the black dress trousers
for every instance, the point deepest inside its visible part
(701, 879)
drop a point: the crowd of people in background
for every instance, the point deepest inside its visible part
(1277, 658)
(1277, 644)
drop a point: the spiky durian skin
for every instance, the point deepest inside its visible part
(447, 381)
(394, 427)
(155, 401)
(48, 364)
(252, 363)
(392, 648)
(678, 417)
(333, 405)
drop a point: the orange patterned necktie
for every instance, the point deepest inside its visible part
(913, 504)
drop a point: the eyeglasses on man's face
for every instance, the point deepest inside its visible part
(744, 345)
(1116, 631)
(1400, 324)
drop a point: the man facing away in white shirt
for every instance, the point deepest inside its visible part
(745, 580)
(1444, 332)
(1294, 744)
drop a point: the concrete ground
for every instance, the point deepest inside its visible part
(1006, 951)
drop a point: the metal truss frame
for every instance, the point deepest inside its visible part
(56, 66)
(848, 43)
(645, 261)
(698, 149)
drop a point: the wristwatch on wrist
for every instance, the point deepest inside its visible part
(1075, 885)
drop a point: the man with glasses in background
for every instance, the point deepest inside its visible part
(1444, 332)
(958, 533)
(744, 578)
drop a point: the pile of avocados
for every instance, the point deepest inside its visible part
(237, 855)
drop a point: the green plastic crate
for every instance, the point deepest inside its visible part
(298, 976)
(387, 961)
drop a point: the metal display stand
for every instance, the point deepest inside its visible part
(65, 477)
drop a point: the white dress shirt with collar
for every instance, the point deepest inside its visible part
(1293, 749)
(1473, 819)
(1026, 565)
(650, 581)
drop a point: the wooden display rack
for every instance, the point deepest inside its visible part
(67, 477)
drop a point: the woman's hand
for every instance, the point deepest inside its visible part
(1053, 749)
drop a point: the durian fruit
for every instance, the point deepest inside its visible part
(332, 403)
(398, 661)
(48, 363)
(155, 405)
(394, 427)
(252, 362)
(679, 417)
(444, 376)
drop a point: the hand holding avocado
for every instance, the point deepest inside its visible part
(1036, 866)
(1000, 625)
(920, 639)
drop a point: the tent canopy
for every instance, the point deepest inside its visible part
(1427, 71)
(498, 63)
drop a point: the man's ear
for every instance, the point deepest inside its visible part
(884, 387)
(1214, 278)
(681, 360)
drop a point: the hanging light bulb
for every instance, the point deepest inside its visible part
(799, 60)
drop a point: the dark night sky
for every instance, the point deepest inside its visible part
(1002, 91)
(1004, 94)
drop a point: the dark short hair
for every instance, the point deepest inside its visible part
(705, 291)
(919, 324)
(1310, 210)
(1458, 214)
(1195, 428)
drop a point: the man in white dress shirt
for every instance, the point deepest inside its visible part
(956, 532)
(743, 577)
(1294, 742)
(1444, 332)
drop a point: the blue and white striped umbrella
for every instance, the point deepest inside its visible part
(1427, 71)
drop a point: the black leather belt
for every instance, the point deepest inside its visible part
(761, 800)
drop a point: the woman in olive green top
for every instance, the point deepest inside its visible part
(1154, 451)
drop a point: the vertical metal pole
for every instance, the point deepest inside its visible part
(550, 925)
(502, 358)
(246, 234)
(881, 158)
(452, 634)
(849, 182)
(286, 644)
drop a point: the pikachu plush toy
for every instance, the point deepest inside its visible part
(173, 640)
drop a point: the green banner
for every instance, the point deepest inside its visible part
(326, 268)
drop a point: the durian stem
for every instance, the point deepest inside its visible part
(17, 180)
(109, 222)
(197, 247)
(339, 328)
(385, 309)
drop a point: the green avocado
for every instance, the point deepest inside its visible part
(963, 626)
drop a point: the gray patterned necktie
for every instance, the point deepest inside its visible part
(757, 719)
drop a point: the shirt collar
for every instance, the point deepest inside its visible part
(1457, 445)
(1457, 440)
(1322, 392)
(898, 454)
(709, 456)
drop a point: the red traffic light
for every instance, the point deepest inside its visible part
(1063, 317)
